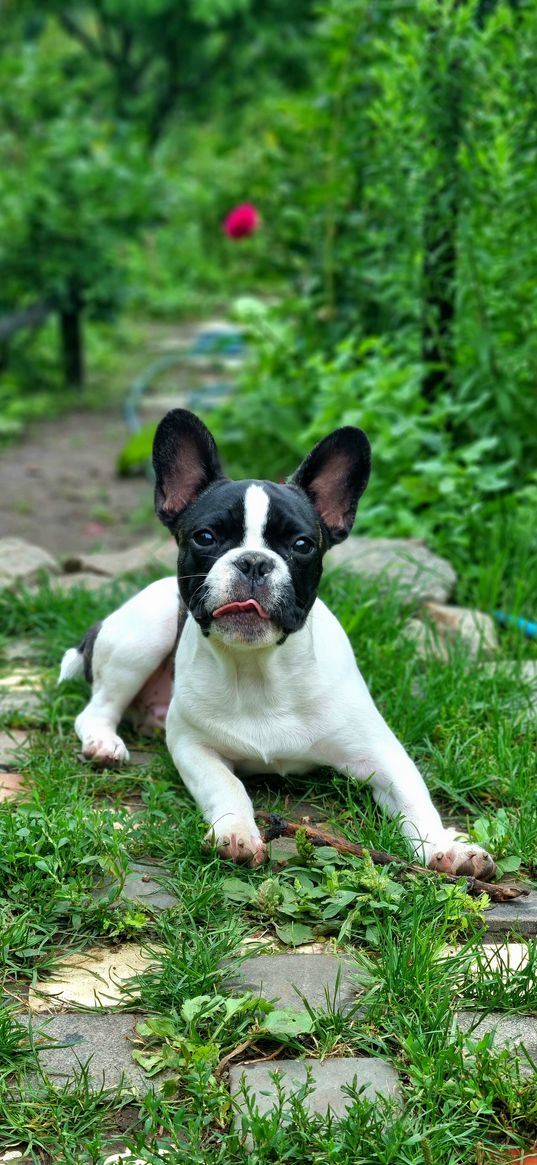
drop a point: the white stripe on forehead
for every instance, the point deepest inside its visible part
(256, 504)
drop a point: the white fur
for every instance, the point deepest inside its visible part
(284, 708)
(72, 665)
(256, 504)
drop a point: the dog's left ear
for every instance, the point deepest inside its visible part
(334, 476)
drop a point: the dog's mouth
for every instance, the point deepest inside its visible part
(246, 607)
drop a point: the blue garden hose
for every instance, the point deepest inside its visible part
(210, 342)
(527, 626)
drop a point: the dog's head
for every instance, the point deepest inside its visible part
(250, 552)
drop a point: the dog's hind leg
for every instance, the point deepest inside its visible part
(132, 644)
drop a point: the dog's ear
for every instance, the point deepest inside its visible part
(334, 476)
(185, 460)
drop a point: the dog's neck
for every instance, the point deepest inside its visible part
(242, 664)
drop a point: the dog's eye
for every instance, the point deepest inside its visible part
(303, 545)
(203, 538)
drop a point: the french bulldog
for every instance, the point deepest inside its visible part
(264, 676)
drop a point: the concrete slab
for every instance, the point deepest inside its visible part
(102, 1041)
(328, 1078)
(142, 885)
(519, 916)
(516, 1032)
(10, 743)
(92, 978)
(284, 978)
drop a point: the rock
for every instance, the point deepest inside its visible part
(284, 979)
(419, 573)
(518, 916)
(21, 693)
(427, 641)
(10, 743)
(517, 1032)
(142, 885)
(445, 625)
(21, 563)
(474, 628)
(93, 978)
(147, 554)
(22, 650)
(100, 1041)
(328, 1079)
(83, 579)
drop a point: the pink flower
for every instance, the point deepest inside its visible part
(241, 221)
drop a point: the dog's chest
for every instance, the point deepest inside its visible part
(256, 717)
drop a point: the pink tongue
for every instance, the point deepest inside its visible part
(233, 608)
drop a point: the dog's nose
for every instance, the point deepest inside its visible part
(254, 566)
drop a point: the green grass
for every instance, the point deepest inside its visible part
(458, 1093)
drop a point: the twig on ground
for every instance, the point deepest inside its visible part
(276, 826)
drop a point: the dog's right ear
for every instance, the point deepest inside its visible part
(185, 460)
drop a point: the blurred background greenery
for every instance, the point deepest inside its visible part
(391, 150)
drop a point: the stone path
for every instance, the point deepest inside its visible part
(101, 1036)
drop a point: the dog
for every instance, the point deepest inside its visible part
(265, 679)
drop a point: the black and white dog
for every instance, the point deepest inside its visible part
(265, 679)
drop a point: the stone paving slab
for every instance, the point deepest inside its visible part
(92, 978)
(142, 885)
(328, 1077)
(418, 572)
(11, 786)
(284, 978)
(519, 916)
(10, 743)
(21, 563)
(509, 1031)
(100, 1040)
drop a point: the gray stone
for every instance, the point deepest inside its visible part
(22, 650)
(142, 885)
(376, 1077)
(518, 916)
(23, 703)
(82, 578)
(21, 563)
(10, 743)
(284, 979)
(418, 572)
(100, 1041)
(146, 554)
(445, 625)
(516, 1032)
(474, 628)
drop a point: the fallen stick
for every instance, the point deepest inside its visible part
(276, 826)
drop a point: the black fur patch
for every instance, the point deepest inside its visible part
(85, 647)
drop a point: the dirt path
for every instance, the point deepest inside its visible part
(59, 489)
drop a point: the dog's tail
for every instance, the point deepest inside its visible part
(72, 665)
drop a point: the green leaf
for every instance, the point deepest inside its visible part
(294, 933)
(238, 891)
(284, 1022)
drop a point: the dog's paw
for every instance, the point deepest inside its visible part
(106, 751)
(240, 842)
(463, 859)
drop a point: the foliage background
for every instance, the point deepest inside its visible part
(391, 149)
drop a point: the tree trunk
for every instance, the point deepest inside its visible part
(444, 83)
(72, 344)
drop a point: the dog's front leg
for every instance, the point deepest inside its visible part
(222, 798)
(400, 789)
